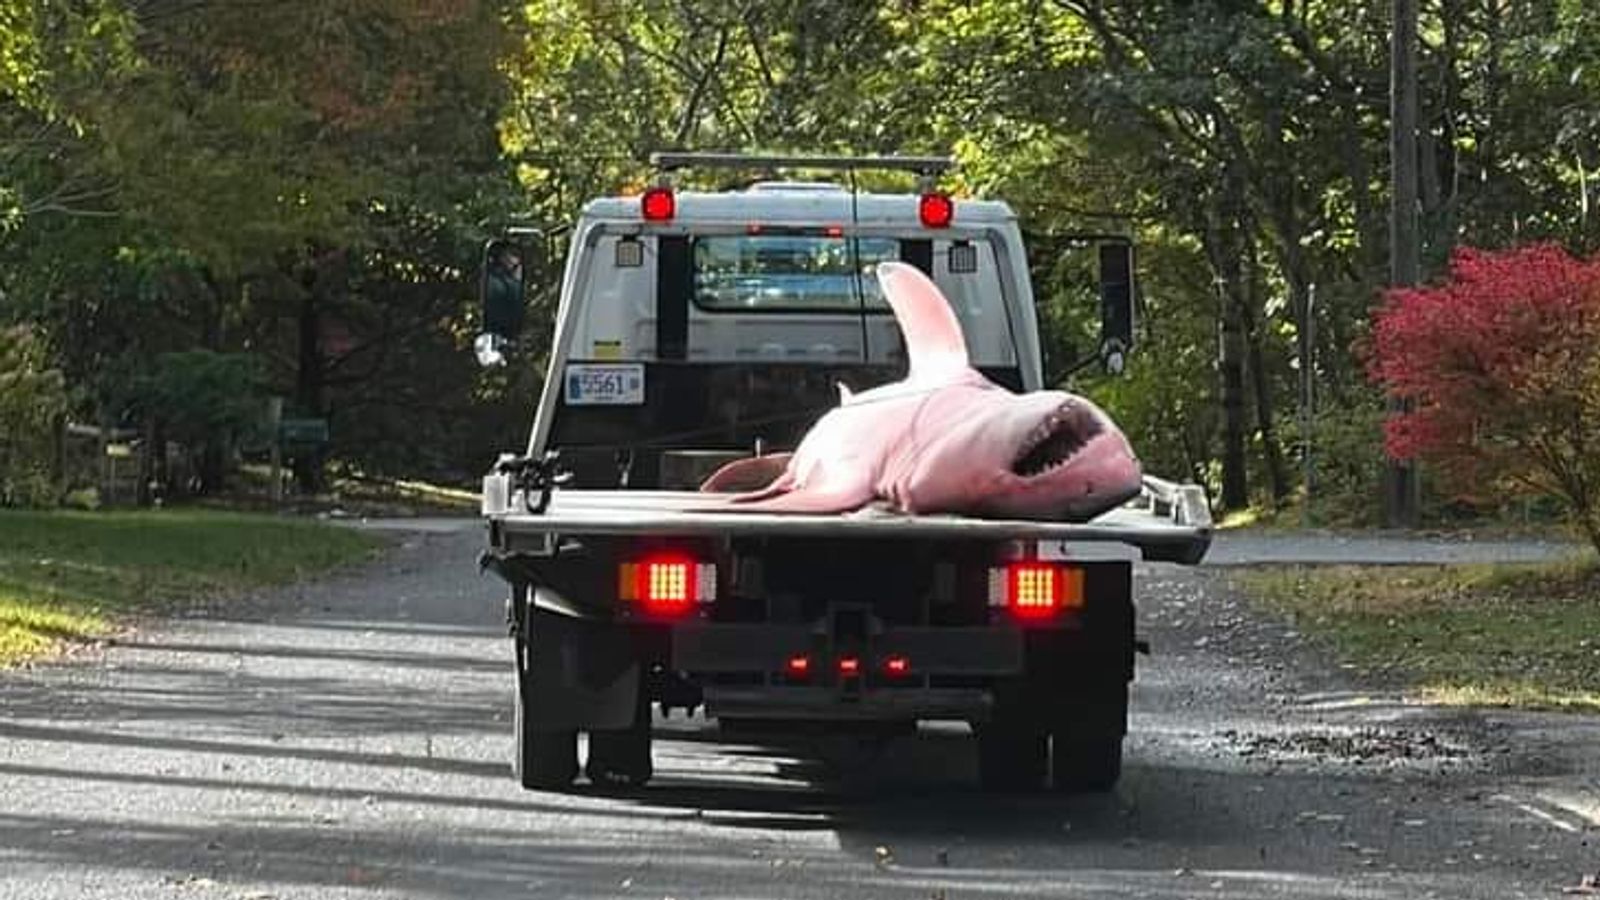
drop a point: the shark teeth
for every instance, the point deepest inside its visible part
(1056, 440)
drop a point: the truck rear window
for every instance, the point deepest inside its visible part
(785, 272)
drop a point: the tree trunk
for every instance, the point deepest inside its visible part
(309, 391)
(161, 466)
(1222, 242)
(213, 467)
(1277, 475)
(147, 463)
(1235, 481)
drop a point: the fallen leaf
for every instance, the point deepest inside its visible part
(1587, 886)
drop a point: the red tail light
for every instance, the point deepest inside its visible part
(849, 666)
(936, 210)
(897, 666)
(658, 204)
(668, 584)
(798, 667)
(1033, 589)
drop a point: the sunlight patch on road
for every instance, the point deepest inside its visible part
(1561, 818)
(1580, 803)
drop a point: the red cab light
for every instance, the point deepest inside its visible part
(897, 666)
(849, 666)
(936, 210)
(658, 204)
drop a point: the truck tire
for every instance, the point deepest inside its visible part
(1012, 756)
(1086, 746)
(541, 760)
(544, 760)
(621, 758)
(1084, 765)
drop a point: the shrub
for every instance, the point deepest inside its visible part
(33, 398)
(1501, 363)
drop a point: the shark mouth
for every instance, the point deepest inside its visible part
(1057, 440)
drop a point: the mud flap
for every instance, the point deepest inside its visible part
(584, 673)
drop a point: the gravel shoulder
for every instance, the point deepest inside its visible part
(348, 738)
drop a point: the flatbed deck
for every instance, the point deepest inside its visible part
(1168, 522)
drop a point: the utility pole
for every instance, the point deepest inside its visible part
(1308, 397)
(1401, 493)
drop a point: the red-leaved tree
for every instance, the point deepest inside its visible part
(1502, 363)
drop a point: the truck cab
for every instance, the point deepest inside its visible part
(699, 327)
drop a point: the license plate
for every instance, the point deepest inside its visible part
(619, 384)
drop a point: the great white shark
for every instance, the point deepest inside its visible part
(945, 439)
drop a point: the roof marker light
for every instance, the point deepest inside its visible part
(936, 210)
(658, 204)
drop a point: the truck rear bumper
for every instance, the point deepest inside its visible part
(832, 704)
(728, 648)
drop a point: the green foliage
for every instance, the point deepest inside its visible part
(177, 176)
(33, 400)
(1347, 461)
(205, 398)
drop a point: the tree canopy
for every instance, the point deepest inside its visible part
(306, 183)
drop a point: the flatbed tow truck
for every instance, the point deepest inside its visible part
(699, 327)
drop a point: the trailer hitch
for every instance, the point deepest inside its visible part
(536, 478)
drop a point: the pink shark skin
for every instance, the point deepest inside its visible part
(946, 439)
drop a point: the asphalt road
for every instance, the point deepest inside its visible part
(350, 739)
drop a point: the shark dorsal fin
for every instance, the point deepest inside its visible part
(845, 394)
(934, 342)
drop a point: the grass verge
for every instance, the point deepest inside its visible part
(67, 576)
(1524, 635)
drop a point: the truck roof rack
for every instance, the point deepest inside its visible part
(920, 165)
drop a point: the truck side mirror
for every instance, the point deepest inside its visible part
(1116, 305)
(502, 290)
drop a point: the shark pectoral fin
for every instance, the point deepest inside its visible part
(822, 498)
(934, 341)
(747, 474)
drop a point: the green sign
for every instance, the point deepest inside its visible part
(303, 431)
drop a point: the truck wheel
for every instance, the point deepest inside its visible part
(543, 760)
(621, 759)
(1012, 756)
(1086, 746)
(1086, 764)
